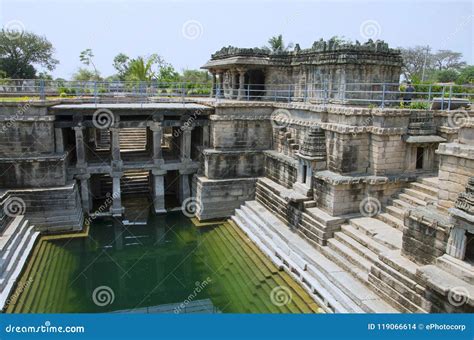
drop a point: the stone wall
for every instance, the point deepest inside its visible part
(27, 137)
(40, 172)
(456, 164)
(425, 235)
(280, 169)
(348, 153)
(340, 195)
(232, 164)
(219, 198)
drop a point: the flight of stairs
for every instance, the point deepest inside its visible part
(420, 193)
(284, 143)
(131, 139)
(366, 249)
(45, 284)
(16, 243)
(332, 286)
(132, 183)
(369, 248)
(229, 252)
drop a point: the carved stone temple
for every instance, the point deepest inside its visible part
(369, 206)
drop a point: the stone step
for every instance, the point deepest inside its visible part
(412, 200)
(15, 241)
(395, 212)
(325, 272)
(378, 231)
(429, 181)
(420, 195)
(391, 220)
(324, 290)
(354, 245)
(350, 259)
(429, 190)
(394, 259)
(11, 230)
(444, 282)
(398, 300)
(8, 284)
(309, 204)
(16, 255)
(401, 204)
(363, 239)
(456, 267)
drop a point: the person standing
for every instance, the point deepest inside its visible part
(408, 95)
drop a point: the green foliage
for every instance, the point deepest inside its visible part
(20, 56)
(446, 76)
(121, 61)
(84, 74)
(141, 69)
(277, 44)
(466, 75)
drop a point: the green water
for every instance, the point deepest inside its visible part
(168, 261)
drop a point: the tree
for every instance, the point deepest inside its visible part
(19, 56)
(448, 60)
(121, 61)
(447, 76)
(141, 69)
(167, 74)
(195, 76)
(84, 74)
(87, 58)
(416, 60)
(278, 45)
(466, 76)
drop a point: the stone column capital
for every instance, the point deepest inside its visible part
(155, 126)
(79, 127)
(83, 177)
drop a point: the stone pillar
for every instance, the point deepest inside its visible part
(234, 76)
(184, 186)
(59, 140)
(157, 137)
(300, 172)
(205, 136)
(213, 86)
(457, 243)
(80, 147)
(115, 146)
(117, 209)
(186, 143)
(159, 190)
(241, 94)
(221, 82)
(85, 187)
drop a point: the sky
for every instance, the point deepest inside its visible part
(186, 32)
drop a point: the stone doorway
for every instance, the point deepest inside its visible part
(469, 255)
(256, 84)
(419, 158)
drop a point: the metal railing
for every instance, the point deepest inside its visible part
(424, 96)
